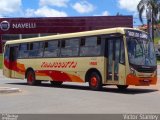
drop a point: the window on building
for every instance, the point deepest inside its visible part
(29, 36)
(6, 37)
(47, 34)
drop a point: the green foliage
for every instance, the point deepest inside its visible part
(156, 40)
(1, 60)
(158, 62)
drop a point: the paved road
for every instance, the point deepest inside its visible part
(77, 98)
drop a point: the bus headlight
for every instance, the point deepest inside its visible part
(133, 71)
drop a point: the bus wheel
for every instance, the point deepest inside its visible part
(122, 87)
(95, 82)
(56, 83)
(31, 78)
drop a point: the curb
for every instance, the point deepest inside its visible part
(9, 90)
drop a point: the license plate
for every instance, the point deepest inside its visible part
(145, 82)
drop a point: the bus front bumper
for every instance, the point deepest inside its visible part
(134, 80)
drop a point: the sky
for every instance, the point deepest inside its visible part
(64, 8)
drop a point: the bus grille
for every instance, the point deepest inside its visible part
(146, 70)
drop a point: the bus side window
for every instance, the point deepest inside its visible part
(23, 50)
(41, 49)
(82, 42)
(31, 46)
(90, 46)
(33, 49)
(6, 53)
(99, 41)
(63, 43)
(46, 45)
(51, 49)
(70, 47)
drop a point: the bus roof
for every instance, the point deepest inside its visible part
(72, 35)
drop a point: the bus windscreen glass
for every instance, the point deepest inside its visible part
(140, 48)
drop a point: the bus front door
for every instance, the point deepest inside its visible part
(115, 53)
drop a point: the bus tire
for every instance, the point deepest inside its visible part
(122, 87)
(31, 78)
(95, 82)
(56, 83)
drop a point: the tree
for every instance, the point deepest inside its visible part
(145, 5)
(152, 9)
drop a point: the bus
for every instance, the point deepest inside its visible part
(116, 56)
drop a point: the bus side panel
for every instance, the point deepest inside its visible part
(20, 73)
(82, 65)
(6, 71)
(6, 68)
(61, 69)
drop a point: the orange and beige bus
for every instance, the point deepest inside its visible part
(115, 56)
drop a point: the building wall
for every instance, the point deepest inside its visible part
(17, 28)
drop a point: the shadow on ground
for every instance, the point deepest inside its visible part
(130, 90)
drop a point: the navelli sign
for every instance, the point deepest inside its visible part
(5, 25)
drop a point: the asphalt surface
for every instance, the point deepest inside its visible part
(76, 98)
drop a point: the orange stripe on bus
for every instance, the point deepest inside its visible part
(55, 75)
(75, 78)
(59, 75)
(20, 67)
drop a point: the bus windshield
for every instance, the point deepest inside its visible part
(141, 50)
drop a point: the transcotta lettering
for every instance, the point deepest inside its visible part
(70, 64)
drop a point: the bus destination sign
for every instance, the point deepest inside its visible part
(136, 34)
